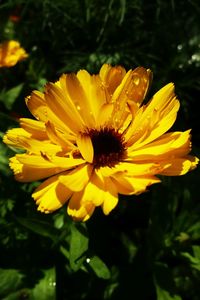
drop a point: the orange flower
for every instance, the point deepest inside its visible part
(11, 53)
(94, 138)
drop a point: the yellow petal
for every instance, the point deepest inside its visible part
(139, 85)
(161, 99)
(94, 91)
(111, 77)
(104, 115)
(20, 138)
(65, 162)
(179, 166)
(77, 179)
(51, 195)
(58, 103)
(10, 53)
(35, 128)
(43, 161)
(94, 190)
(135, 169)
(85, 146)
(28, 167)
(37, 146)
(77, 210)
(110, 196)
(166, 120)
(155, 125)
(60, 138)
(12, 137)
(28, 173)
(132, 88)
(37, 106)
(133, 185)
(120, 99)
(124, 184)
(83, 203)
(168, 145)
(75, 93)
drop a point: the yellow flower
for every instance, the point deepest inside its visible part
(10, 53)
(93, 138)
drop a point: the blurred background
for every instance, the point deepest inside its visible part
(148, 248)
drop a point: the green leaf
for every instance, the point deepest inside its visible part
(40, 227)
(78, 245)
(64, 251)
(193, 261)
(131, 248)
(6, 206)
(21, 294)
(165, 295)
(99, 267)
(59, 221)
(196, 251)
(194, 229)
(10, 280)
(45, 288)
(165, 287)
(122, 11)
(4, 163)
(9, 97)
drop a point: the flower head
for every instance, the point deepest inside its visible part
(10, 53)
(93, 138)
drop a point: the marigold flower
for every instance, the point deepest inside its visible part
(93, 138)
(10, 53)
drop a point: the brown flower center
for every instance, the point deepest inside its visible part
(109, 147)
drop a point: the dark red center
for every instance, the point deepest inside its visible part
(108, 147)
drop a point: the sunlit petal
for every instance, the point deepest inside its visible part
(76, 179)
(51, 195)
(85, 146)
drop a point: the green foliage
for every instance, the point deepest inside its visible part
(40, 227)
(10, 280)
(78, 246)
(10, 96)
(165, 288)
(99, 267)
(45, 288)
(149, 246)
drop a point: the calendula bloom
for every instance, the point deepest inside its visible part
(10, 53)
(93, 139)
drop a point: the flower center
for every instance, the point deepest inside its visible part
(108, 146)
